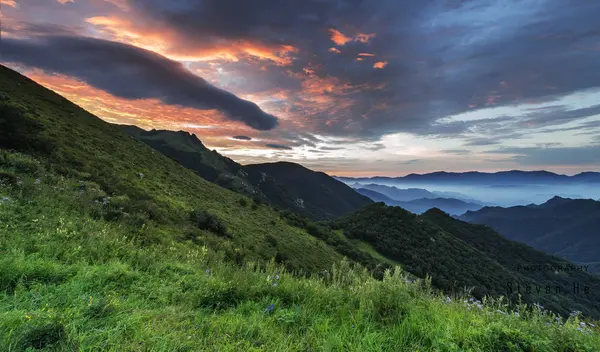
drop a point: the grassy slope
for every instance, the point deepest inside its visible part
(276, 184)
(92, 150)
(70, 281)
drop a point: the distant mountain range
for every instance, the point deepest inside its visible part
(450, 205)
(569, 228)
(513, 177)
(283, 185)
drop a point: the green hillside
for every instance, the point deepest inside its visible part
(142, 186)
(108, 245)
(283, 185)
(460, 255)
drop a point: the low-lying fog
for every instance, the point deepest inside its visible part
(503, 195)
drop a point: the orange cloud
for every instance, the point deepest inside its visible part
(10, 3)
(211, 125)
(341, 39)
(338, 37)
(335, 50)
(170, 44)
(380, 64)
(65, 1)
(366, 54)
(359, 59)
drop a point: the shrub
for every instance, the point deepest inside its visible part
(209, 222)
(271, 240)
(243, 202)
(8, 178)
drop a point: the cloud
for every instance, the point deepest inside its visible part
(529, 156)
(409, 162)
(242, 138)
(11, 3)
(446, 59)
(278, 146)
(457, 151)
(340, 39)
(380, 64)
(132, 73)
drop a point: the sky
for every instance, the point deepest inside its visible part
(348, 87)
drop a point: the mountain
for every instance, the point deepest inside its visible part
(418, 206)
(449, 205)
(286, 186)
(513, 177)
(399, 194)
(568, 228)
(318, 195)
(189, 151)
(458, 254)
(375, 196)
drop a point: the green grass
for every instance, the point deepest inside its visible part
(71, 280)
(368, 248)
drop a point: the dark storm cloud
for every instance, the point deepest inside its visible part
(242, 138)
(132, 73)
(444, 58)
(589, 155)
(277, 146)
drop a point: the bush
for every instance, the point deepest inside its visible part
(271, 240)
(243, 202)
(209, 222)
(8, 178)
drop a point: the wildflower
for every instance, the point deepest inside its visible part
(582, 324)
(501, 312)
(38, 181)
(592, 325)
(471, 299)
(270, 308)
(448, 299)
(574, 313)
(141, 175)
(207, 271)
(277, 277)
(516, 314)
(4, 199)
(27, 316)
(275, 284)
(352, 326)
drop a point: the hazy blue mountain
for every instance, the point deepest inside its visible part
(513, 177)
